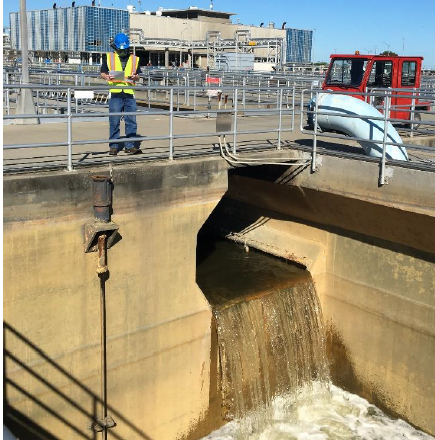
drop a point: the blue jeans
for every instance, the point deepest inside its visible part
(116, 105)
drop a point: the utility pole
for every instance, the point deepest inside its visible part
(25, 104)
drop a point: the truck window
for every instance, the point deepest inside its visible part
(409, 69)
(381, 74)
(347, 72)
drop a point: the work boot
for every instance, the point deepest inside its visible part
(113, 151)
(133, 150)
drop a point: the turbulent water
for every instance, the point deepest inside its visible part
(274, 375)
(317, 412)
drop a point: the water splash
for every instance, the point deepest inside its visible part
(317, 412)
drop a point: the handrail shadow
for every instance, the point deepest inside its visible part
(28, 428)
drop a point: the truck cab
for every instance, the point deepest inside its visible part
(361, 73)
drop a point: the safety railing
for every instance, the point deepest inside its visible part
(255, 87)
(409, 125)
(279, 119)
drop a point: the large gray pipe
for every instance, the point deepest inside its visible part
(24, 42)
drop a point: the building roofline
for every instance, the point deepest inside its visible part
(213, 11)
(70, 7)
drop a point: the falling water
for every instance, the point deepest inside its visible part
(274, 377)
(269, 346)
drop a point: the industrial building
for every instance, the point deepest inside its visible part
(191, 37)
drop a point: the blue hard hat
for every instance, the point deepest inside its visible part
(121, 41)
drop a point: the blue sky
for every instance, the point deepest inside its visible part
(342, 26)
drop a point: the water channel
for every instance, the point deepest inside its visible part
(273, 371)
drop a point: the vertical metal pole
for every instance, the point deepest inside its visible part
(171, 125)
(384, 147)
(412, 115)
(279, 119)
(178, 94)
(314, 155)
(244, 92)
(24, 42)
(69, 130)
(149, 90)
(235, 120)
(8, 110)
(293, 106)
(102, 276)
(194, 96)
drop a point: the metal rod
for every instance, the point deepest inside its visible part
(385, 137)
(293, 106)
(171, 125)
(280, 119)
(235, 120)
(103, 322)
(314, 155)
(69, 131)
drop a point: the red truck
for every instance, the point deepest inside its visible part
(362, 73)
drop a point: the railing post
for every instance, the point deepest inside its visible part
(69, 130)
(235, 120)
(314, 155)
(171, 125)
(149, 90)
(382, 180)
(194, 96)
(178, 94)
(279, 119)
(8, 110)
(244, 92)
(293, 106)
(412, 114)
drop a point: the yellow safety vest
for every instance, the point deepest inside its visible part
(114, 63)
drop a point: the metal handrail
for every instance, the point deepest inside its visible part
(171, 113)
(386, 108)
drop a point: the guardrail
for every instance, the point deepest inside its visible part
(284, 99)
(276, 102)
(411, 125)
(254, 86)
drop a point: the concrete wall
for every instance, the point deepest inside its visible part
(371, 252)
(158, 321)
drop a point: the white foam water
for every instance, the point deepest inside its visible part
(323, 412)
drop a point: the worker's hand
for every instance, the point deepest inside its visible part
(106, 76)
(134, 77)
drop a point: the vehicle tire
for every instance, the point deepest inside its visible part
(417, 117)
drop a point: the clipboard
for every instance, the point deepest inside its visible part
(117, 75)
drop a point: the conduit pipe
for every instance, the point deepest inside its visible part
(334, 111)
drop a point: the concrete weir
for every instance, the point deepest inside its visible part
(370, 250)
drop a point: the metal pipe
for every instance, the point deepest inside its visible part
(24, 42)
(69, 131)
(382, 179)
(235, 121)
(102, 198)
(171, 125)
(314, 154)
(280, 119)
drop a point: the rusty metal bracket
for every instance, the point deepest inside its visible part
(93, 230)
(101, 424)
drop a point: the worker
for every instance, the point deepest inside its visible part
(121, 99)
